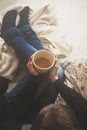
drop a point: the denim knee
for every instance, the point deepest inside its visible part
(11, 33)
(28, 32)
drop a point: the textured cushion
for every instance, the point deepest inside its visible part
(75, 70)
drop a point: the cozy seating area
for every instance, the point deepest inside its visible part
(61, 26)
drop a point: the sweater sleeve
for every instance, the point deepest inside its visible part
(73, 98)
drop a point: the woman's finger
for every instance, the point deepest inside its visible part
(31, 68)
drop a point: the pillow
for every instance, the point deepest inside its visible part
(75, 70)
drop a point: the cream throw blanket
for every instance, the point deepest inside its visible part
(45, 24)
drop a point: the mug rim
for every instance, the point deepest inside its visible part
(41, 68)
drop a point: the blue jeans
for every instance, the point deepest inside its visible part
(11, 96)
(24, 42)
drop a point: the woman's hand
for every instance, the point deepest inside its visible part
(53, 73)
(31, 68)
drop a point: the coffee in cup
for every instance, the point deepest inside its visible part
(43, 61)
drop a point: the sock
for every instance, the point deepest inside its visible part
(8, 20)
(24, 14)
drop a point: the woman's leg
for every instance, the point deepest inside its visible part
(14, 37)
(14, 93)
(20, 99)
(16, 40)
(28, 32)
(31, 37)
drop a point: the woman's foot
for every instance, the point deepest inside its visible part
(8, 21)
(24, 17)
